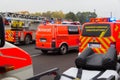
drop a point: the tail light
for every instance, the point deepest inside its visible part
(6, 68)
(79, 41)
(53, 40)
(53, 43)
(112, 44)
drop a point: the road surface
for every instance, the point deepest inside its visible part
(43, 62)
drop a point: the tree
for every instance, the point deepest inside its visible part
(71, 16)
(37, 14)
(85, 16)
(58, 14)
(47, 14)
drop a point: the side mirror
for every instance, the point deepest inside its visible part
(2, 32)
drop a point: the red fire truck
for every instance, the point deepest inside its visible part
(22, 27)
(19, 34)
(57, 37)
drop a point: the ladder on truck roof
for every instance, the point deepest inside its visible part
(24, 17)
(19, 21)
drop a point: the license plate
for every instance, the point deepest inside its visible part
(94, 45)
(43, 40)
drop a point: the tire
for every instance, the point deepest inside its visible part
(63, 49)
(44, 51)
(28, 39)
(57, 77)
(118, 58)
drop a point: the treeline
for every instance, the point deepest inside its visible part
(79, 16)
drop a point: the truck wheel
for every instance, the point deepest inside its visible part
(118, 58)
(63, 49)
(44, 51)
(28, 39)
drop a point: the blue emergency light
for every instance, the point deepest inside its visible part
(112, 19)
(8, 18)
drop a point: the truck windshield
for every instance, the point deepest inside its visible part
(96, 30)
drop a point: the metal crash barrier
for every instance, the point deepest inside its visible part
(53, 71)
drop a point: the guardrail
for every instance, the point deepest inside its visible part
(53, 71)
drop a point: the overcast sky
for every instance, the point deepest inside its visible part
(104, 8)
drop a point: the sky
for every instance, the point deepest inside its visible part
(103, 8)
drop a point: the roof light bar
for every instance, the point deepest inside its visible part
(112, 19)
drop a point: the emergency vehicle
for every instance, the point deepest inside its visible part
(57, 37)
(100, 34)
(19, 34)
(21, 28)
(15, 63)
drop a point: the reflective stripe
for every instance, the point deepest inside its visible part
(85, 42)
(103, 50)
(104, 43)
(10, 35)
(97, 50)
(107, 43)
(112, 39)
(107, 40)
(82, 39)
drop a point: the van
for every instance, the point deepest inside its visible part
(100, 34)
(57, 37)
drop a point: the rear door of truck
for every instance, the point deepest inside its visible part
(98, 36)
(44, 36)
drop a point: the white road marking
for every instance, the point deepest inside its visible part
(35, 55)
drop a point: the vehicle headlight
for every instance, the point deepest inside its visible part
(9, 78)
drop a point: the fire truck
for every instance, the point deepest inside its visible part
(100, 34)
(22, 27)
(57, 37)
